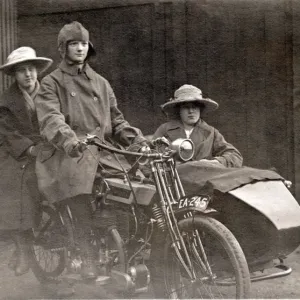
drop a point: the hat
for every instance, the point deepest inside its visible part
(189, 93)
(25, 54)
(73, 31)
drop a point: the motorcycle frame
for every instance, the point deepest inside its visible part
(159, 164)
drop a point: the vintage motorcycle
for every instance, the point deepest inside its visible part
(147, 233)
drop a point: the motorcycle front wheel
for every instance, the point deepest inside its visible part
(218, 267)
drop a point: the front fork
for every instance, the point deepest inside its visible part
(194, 245)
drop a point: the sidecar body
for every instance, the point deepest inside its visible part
(264, 217)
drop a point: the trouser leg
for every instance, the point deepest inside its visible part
(22, 240)
(81, 211)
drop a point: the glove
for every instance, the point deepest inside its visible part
(139, 147)
(145, 149)
(161, 141)
(77, 149)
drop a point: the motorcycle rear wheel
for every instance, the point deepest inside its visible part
(228, 276)
(48, 258)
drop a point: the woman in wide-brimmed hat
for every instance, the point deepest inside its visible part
(19, 144)
(185, 111)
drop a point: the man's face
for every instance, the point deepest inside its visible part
(77, 51)
(189, 113)
(26, 75)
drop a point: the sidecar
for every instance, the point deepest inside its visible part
(265, 218)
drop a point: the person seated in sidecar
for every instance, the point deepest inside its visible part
(185, 111)
(20, 141)
(74, 100)
(216, 163)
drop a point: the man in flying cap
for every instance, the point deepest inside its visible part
(74, 100)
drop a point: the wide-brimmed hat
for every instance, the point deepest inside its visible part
(74, 31)
(25, 54)
(188, 93)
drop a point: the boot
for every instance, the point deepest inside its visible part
(13, 260)
(22, 264)
(88, 267)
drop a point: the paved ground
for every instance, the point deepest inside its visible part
(27, 287)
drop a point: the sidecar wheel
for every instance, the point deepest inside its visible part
(47, 253)
(217, 260)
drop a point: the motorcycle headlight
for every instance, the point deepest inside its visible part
(184, 148)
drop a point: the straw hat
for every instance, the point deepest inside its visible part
(25, 54)
(188, 93)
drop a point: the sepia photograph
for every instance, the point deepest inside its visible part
(149, 149)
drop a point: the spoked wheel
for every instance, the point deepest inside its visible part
(48, 250)
(218, 268)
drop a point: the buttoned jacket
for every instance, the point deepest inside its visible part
(70, 105)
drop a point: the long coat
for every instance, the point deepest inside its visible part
(18, 186)
(209, 142)
(70, 105)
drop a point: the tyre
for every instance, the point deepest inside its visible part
(216, 258)
(48, 258)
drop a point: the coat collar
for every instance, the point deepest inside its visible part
(175, 124)
(73, 69)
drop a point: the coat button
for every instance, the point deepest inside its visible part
(95, 98)
(73, 94)
(108, 157)
(98, 128)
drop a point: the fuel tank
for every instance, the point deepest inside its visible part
(121, 191)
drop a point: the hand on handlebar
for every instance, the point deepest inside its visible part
(160, 141)
(77, 149)
(145, 149)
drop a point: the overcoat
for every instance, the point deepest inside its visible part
(18, 185)
(209, 142)
(69, 106)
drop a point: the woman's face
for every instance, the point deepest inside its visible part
(26, 75)
(189, 113)
(77, 51)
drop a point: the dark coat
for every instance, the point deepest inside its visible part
(18, 185)
(209, 142)
(70, 105)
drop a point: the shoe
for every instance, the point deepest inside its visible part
(88, 270)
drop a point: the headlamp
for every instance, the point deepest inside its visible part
(184, 149)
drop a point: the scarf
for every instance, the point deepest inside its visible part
(29, 97)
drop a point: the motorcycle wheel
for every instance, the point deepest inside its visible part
(47, 253)
(217, 260)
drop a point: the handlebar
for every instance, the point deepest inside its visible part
(90, 140)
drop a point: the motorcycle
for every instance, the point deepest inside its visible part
(147, 232)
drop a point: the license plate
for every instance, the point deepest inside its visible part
(200, 202)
